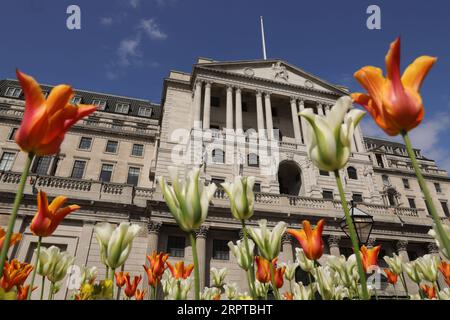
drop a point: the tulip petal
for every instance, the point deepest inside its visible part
(416, 72)
(58, 98)
(371, 78)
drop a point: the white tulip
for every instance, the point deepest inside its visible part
(413, 272)
(63, 260)
(244, 258)
(261, 289)
(444, 294)
(242, 198)
(428, 266)
(268, 242)
(210, 293)
(218, 276)
(438, 239)
(289, 272)
(346, 269)
(231, 290)
(302, 292)
(394, 263)
(304, 263)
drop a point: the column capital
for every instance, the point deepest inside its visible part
(199, 82)
(229, 87)
(259, 93)
(208, 83)
(371, 242)
(301, 101)
(319, 104)
(238, 89)
(333, 241)
(154, 226)
(202, 232)
(267, 94)
(286, 238)
(401, 245)
(293, 99)
(432, 248)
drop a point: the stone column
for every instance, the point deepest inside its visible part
(359, 139)
(197, 104)
(153, 229)
(295, 120)
(327, 109)
(207, 106)
(301, 107)
(239, 127)
(84, 243)
(402, 246)
(320, 109)
(333, 244)
(260, 114)
(229, 108)
(202, 233)
(269, 122)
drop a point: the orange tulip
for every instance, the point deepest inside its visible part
(139, 295)
(263, 269)
(310, 240)
(179, 271)
(429, 291)
(288, 296)
(22, 292)
(394, 102)
(46, 121)
(131, 287)
(279, 273)
(391, 277)
(15, 237)
(444, 267)
(156, 268)
(15, 273)
(216, 297)
(369, 257)
(48, 217)
(120, 278)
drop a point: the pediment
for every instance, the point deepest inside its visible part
(274, 70)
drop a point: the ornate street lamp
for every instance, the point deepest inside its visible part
(362, 221)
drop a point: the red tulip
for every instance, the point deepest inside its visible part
(369, 257)
(131, 287)
(310, 240)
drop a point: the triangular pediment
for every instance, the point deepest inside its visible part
(273, 70)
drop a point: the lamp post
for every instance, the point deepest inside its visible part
(362, 221)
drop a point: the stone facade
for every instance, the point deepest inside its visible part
(233, 107)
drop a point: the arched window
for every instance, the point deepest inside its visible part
(218, 156)
(253, 160)
(352, 174)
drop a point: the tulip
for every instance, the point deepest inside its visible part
(211, 294)
(244, 258)
(268, 242)
(290, 269)
(89, 274)
(15, 274)
(156, 269)
(370, 257)
(412, 271)
(231, 291)
(428, 266)
(176, 289)
(139, 295)
(15, 237)
(439, 240)
(391, 276)
(218, 276)
(346, 269)
(263, 269)
(22, 292)
(394, 263)
(444, 294)
(288, 296)
(444, 267)
(85, 293)
(261, 289)
(121, 278)
(304, 263)
(325, 282)
(310, 240)
(302, 292)
(429, 291)
(180, 271)
(62, 262)
(242, 198)
(279, 273)
(131, 287)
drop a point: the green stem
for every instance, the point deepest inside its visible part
(113, 272)
(290, 287)
(395, 292)
(353, 236)
(402, 278)
(251, 270)
(42, 287)
(437, 220)
(196, 271)
(311, 285)
(155, 293)
(50, 291)
(107, 272)
(13, 216)
(33, 276)
(274, 286)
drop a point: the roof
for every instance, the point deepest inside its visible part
(87, 97)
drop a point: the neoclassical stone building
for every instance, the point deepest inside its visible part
(232, 118)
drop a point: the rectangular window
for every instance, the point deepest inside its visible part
(215, 102)
(122, 108)
(274, 112)
(13, 92)
(137, 150)
(244, 107)
(6, 161)
(175, 246)
(437, 186)
(133, 176)
(221, 251)
(145, 112)
(76, 100)
(253, 160)
(12, 134)
(445, 208)
(111, 146)
(106, 172)
(78, 169)
(357, 198)
(412, 203)
(405, 183)
(257, 187)
(85, 143)
(327, 195)
(41, 165)
(101, 104)
(379, 160)
(324, 173)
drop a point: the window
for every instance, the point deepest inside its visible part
(274, 112)
(444, 206)
(218, 156)
(412, 203)
(352, 174)
(405, 183)
(12, 134)
(78, 169)
(221, 251)
(137, 150)
(175, 246)
(257, 187)
(385, 179)
(106, 172)
(111, 146)
(85, 143)
(379, 160)
(253, 160)
(76, 100)
(437, 186)
(13, 92)
(357, 197)
(7, 161)
(101, 104)
(327, 195)
(215, 102)
(324, 173)
(41, 165)
(133, 175)
(412, 255)
(122, 108)
(244, 107)
(145, 112)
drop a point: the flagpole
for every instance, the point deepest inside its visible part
(263, 39)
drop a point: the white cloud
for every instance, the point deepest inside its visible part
(152, 29)
(128, 51)
(106, 21)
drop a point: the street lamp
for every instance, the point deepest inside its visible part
(362, 221)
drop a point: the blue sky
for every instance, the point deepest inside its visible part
(127, 47)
